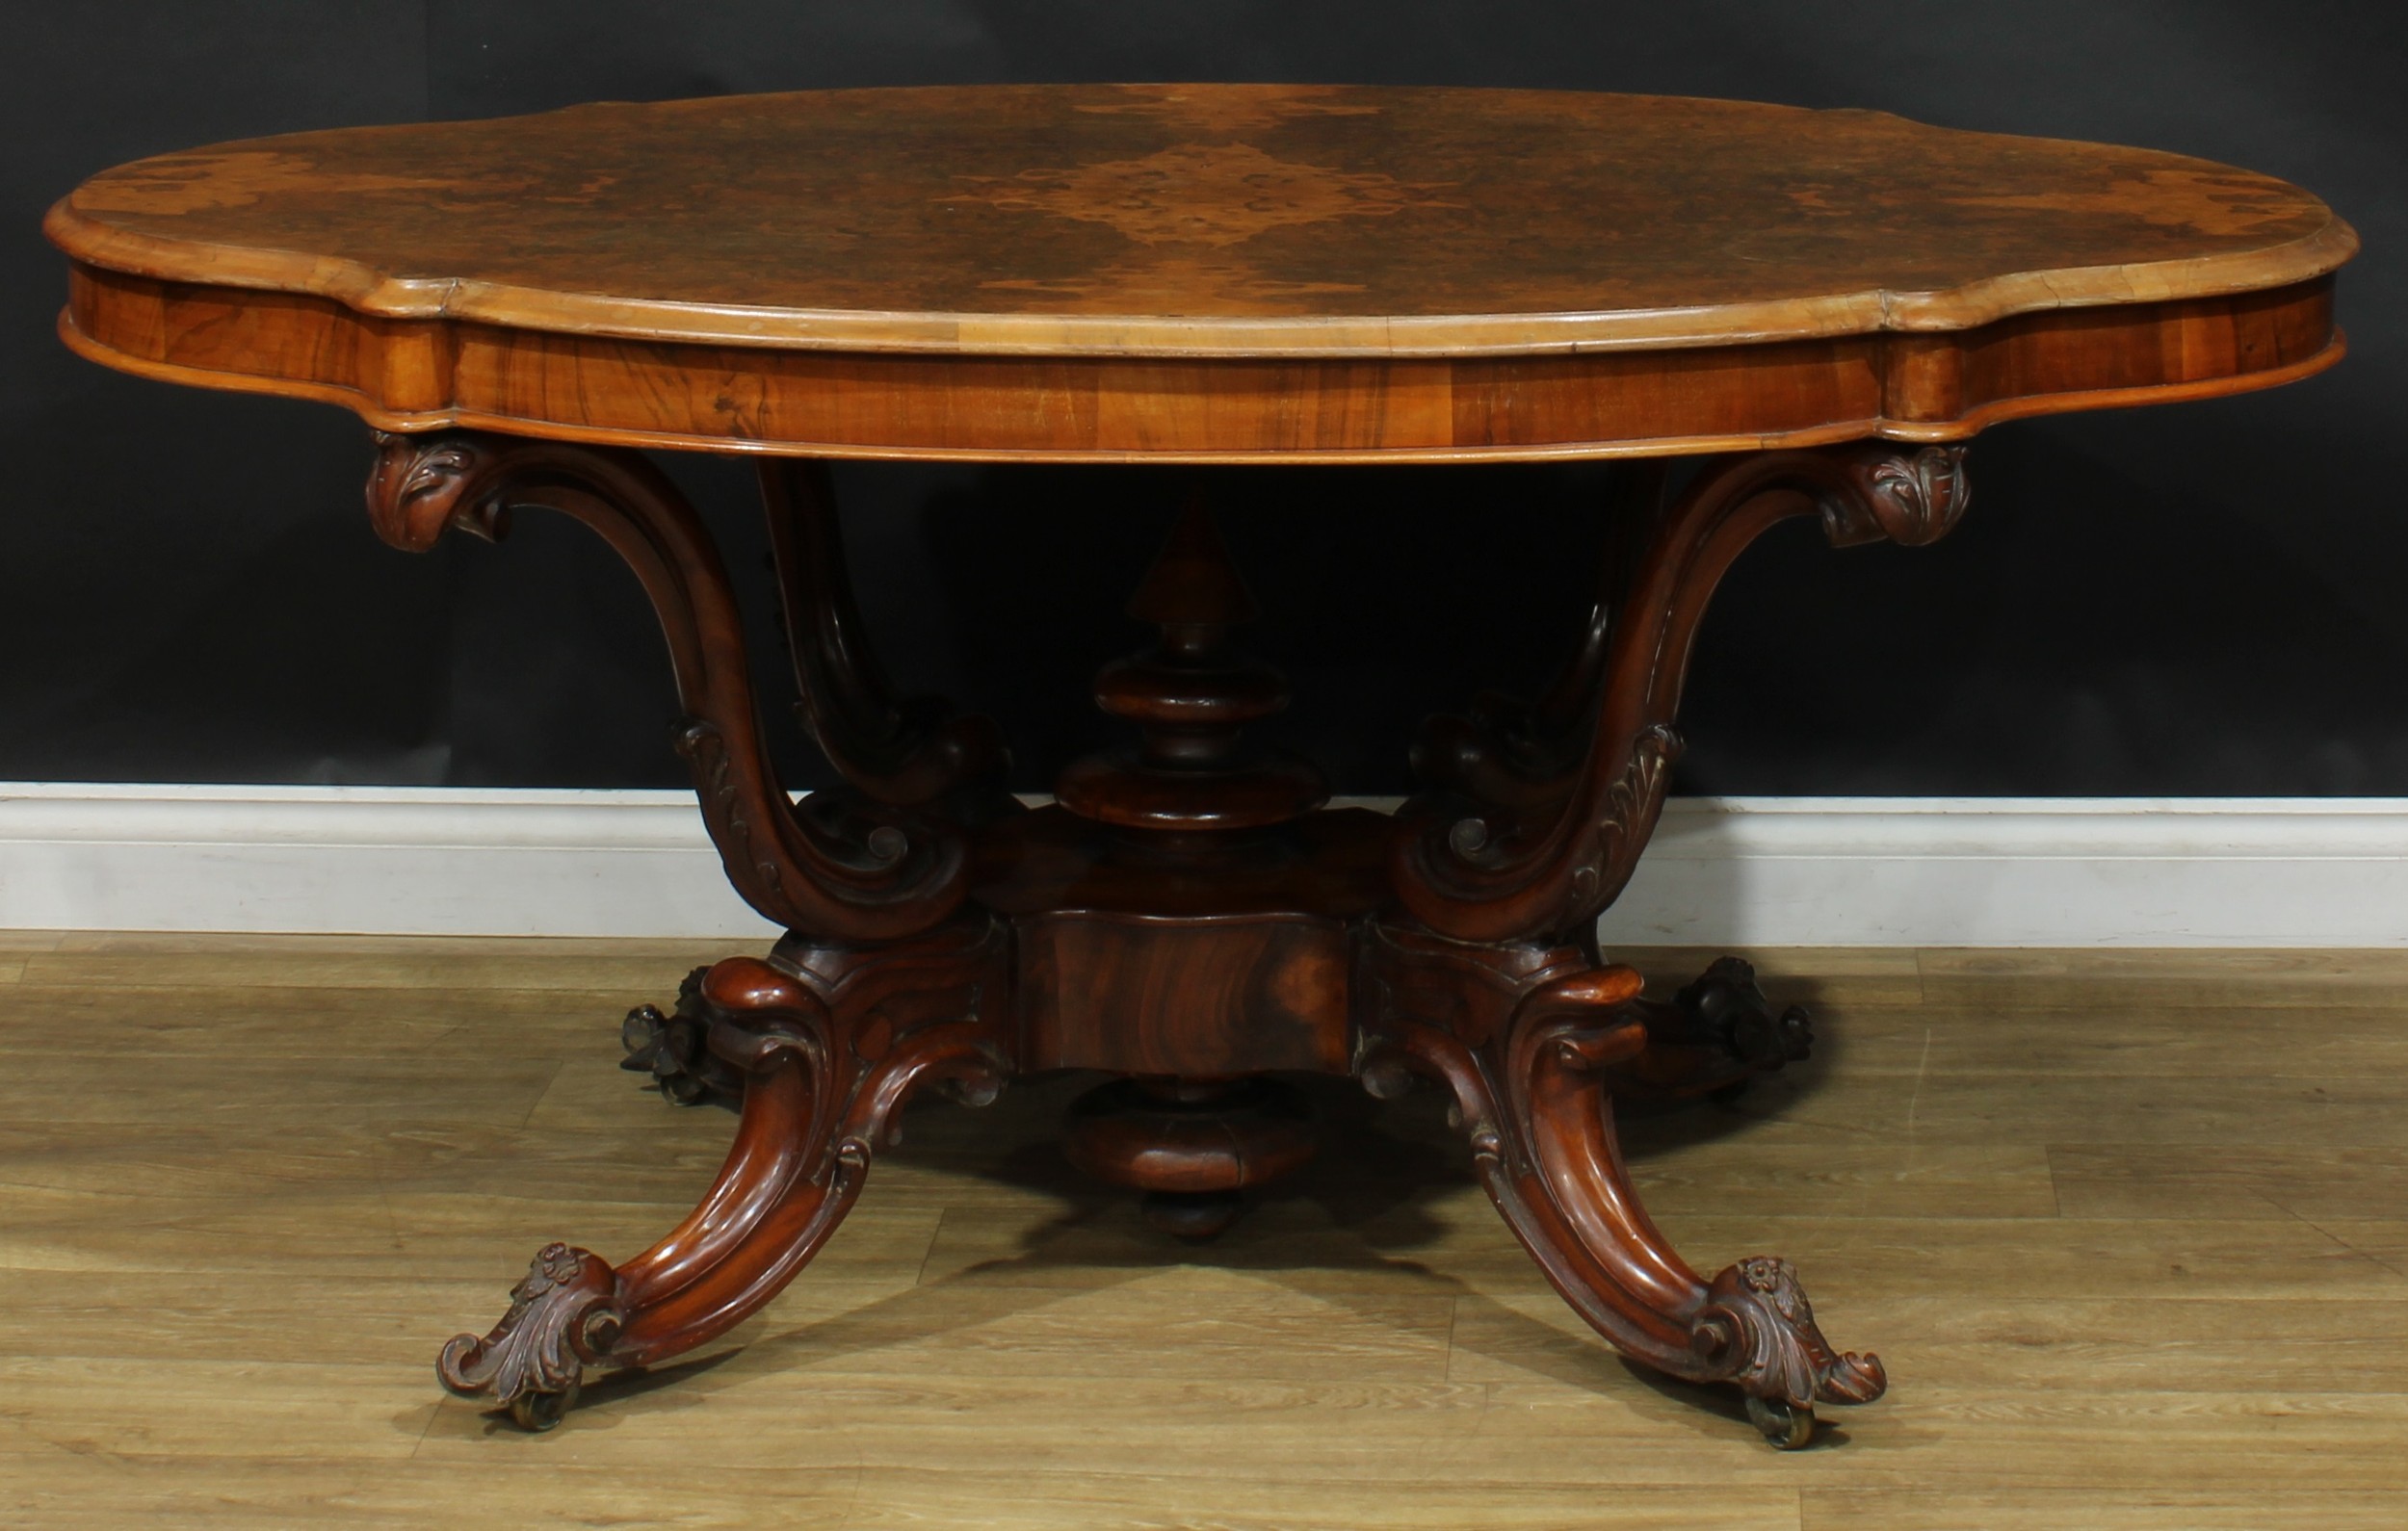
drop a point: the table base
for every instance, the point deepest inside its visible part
(1186, 918)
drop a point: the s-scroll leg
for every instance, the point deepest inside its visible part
(828, 1042)
(1524, 1037)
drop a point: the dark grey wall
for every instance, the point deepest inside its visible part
(2194, 599)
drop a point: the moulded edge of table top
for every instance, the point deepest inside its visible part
(1961, 427)
(92, 242)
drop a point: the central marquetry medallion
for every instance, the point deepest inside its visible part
(1213, 194)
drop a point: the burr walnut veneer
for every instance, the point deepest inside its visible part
(1819, 306)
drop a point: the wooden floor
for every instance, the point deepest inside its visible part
(2130, 1231)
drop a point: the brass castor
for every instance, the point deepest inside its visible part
(539, 1411)
(1787, 1425)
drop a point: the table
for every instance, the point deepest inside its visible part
(1820, 307)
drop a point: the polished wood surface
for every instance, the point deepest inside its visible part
(251, 1182)
(1187, 915)
(1254, 272)
(1213, 273)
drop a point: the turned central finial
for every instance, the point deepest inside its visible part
(1190, 696)
(1191, 583)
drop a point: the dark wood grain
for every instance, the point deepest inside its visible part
(1196, 997)
(1209, 272)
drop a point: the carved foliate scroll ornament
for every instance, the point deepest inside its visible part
(1910, 498)
(1757, 1329)
(562, 1317)
(864, 879)
(420, 488)
(1567, 845)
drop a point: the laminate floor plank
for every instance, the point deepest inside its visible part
(902, 1500)
(670, 1162)
(2384, 1241)
(272, 1094)
(2149, 1344)
(2271, 1182)
(716, 1413)
(2234, 1443)
(2339, 1110)
(282, 1021)
(274, 1493)
(641, 971)
(84, 1406)
(2095, 1509)
(2020, 978)
(2130, 1231)
(2147, 1041)
(267, 1491)
(333, 1235)
(17, 947)
(279, 1317)
(1879, 1258)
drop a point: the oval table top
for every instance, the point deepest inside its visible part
(1201, 271)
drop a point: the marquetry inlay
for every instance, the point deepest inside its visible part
(1214, 195)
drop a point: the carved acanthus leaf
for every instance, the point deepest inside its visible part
(1611, 841)
(704, 745)
(1758, 1330)
(1908, 498)
(1620, 832)
(422, 487)
(562, 1317)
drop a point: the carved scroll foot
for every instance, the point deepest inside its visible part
(1757, 1314)
(1525, 1037)
(674, 1048)
(562, 1317)
(828, 1042)
(1713, 1035)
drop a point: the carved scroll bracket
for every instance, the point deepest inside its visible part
(844, 875)
(1535, 858)
(1910, 498)
(904, 752)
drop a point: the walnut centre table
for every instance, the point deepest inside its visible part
(1820, 307)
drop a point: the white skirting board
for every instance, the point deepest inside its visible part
(1750, 871)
